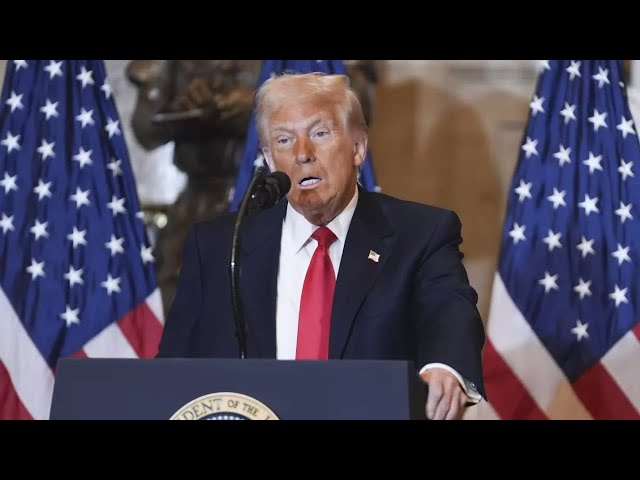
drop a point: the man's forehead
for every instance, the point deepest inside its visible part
(280, 120)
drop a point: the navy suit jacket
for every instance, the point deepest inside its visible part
(415, 303)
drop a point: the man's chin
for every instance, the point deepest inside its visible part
(313, 208)
(309, 200)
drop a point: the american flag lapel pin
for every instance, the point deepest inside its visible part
(374, 256)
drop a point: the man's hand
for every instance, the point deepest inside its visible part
(446, 398)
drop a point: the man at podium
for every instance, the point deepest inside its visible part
(332, 271)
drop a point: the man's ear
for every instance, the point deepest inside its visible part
(268, 159)
(359, 149)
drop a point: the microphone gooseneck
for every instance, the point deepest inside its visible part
(263, 192)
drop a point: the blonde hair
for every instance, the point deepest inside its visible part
(334, 89)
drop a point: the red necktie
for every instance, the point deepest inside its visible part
(316, 301)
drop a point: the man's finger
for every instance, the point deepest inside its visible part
(433, 398)
(447, 400)
(443, 407)
(456, 405)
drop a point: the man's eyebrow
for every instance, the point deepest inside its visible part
(281, 128)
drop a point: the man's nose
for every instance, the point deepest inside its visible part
(305, 152)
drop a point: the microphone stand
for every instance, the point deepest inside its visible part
(238, 311)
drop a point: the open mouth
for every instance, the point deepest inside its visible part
(309, 182)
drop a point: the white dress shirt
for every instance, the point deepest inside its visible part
(296, 249)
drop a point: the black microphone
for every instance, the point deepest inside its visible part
(271, 191)
(263, 192)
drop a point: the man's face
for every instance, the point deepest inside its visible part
(308, 140)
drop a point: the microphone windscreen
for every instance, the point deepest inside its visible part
(282, 181)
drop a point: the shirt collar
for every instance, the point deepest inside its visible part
(297, 230)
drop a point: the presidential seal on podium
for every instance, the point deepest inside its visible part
(224, 406)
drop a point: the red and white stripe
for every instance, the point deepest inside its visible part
(26, 380)
(137, 334)
(523, 380)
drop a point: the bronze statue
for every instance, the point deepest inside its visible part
(204, 107)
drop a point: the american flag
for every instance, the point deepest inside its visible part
(563, 331)
(252, 157)
(77, 275)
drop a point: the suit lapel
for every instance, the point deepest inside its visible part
(259, 267)
(369, 234)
